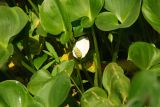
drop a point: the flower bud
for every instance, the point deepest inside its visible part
(81, 48)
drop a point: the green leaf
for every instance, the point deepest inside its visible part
(14, 94)
(144, 90)
(40, 31)
(5, 53)
(52, 51)
(115, 82)
(144, 55)
(66, 66)
(40, 60)
(149, 9)
(119, 14)
(155, 68)
(52, 91)
(91, 11)
(95, 97)
(56, 16)
(78, 31)
(12, 21)
(37, 80)
(34, 22)
(55, 91)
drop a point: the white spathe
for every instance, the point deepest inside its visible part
(83, 47)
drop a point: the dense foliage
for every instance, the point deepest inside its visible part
(79, 53)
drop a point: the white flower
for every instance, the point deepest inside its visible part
(81, 48)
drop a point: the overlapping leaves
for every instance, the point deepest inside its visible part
(116, 85)
(119, 14)
(12, 21)
(14, 94)
(56, 16)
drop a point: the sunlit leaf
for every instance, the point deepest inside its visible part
(55, 20)
(55, 91)
(56, 16)
(5, 53)
(149, 9)
(120, 14)
(95, 97)
(12, 20)
(14, 94)
(115, 82)
(52, 91)
(144, 55)
(38, 80)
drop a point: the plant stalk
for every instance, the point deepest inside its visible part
(116, 49)
(98, 73)
(79, 76)
(34, 7)
(76, 85)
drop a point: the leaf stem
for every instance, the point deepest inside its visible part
(116, 49)
(76, 85)
(86, 73)
(80, 78)
(34, 7)
(98, 73)
(28, 67)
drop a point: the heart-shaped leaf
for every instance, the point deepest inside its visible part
(14, 94)
(56, 16)
(144, 55)
(95, 97)
(12, 20)
(52, 91)
(92, 10)
(55, 20)
(115, 82)
(150, 11)
(120, 14)
(37, 80)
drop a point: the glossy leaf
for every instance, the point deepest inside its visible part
(14, 94)
(119, 14)
(144, 55)
(12, 21)
(95, 97)
(56, 16)
(115, 82)
(37, 80)
(55, 91)
(144, 90)
(52, 91)
(149, 9)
